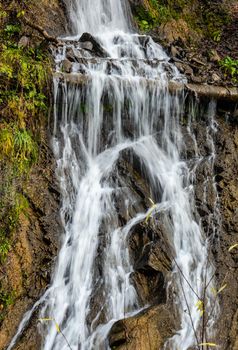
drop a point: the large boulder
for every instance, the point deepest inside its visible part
(90, 43)
(146, 331)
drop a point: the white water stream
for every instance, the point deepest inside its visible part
(89, 139)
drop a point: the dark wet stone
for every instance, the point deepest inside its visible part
(90, 43)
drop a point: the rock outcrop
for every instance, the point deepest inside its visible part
(151, 251)
(28, 268)
(146, 331)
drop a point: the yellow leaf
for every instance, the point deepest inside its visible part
(208, 344)
(151, 201)
(57, 327)
(215, 292)
(232, 247)
(45, 319)
(221, 289)
(150, 213)
(200, 307)
(51, 319)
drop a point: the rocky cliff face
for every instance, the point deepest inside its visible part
(27, 270)
(50, 15)
(153, 256)
(226, 170)
(28, 267)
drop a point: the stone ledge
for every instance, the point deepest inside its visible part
(199, 90)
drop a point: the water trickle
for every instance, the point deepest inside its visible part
(111, 103)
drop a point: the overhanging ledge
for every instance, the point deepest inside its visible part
(204, 90)
(199, 90)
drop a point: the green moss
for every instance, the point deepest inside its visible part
(153, 14)
(6, 299)
(4, 247)
(12, 205)
(206, 18)
(19, 206)
(24, 74)
(214, 18)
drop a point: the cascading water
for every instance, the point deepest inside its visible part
(118, 103)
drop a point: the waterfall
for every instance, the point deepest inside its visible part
(105, 107)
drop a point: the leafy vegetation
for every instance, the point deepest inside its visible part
(152, 14)
(24, 71)
(209, 20)
(230, 67)
(6, 300)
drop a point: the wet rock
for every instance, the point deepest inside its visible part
(146, 331)
(174, 51)
(72, 54)
(90, 43)
(152, 260)
(197, 80)
(184, 68)
(150, 286)
(144, 40)
(188, 70)
(155, 257)
(87, 45)
(216, 78)
(151, 269)
(180, 66)
(67, 66)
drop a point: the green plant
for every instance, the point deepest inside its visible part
(144, 25)
(12, 29)
(153, 13)
(216, 35)
(230, 67)
(4, 247)
(7, 299)
(18, 147)
(20, 206)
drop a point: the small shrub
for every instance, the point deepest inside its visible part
(230, 67)
(18, 147)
